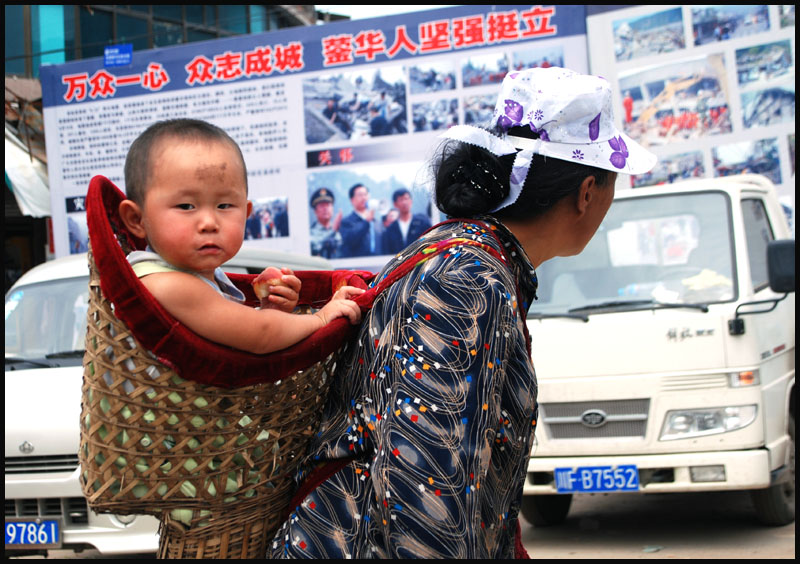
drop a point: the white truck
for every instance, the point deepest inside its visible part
(665, 352)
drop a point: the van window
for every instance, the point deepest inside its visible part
(758, 233)
(671, 248)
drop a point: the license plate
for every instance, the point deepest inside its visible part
(586, 479)
(33, 533)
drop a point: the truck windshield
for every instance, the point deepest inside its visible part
(670, 249)
(46, 322)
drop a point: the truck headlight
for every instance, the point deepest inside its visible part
(689, 423)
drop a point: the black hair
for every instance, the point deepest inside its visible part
(400, 192)
(138, 161)
(470, 181)
(353, 189)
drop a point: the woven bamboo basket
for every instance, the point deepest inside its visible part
(215, 465)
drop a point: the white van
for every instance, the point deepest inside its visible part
(45, 331)
(665, 352)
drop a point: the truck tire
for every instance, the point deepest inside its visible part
(546, 510)
(775, 505)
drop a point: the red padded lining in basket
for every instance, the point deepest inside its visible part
(192, 356)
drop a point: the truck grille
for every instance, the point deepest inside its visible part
(37, 464)
(73, 510)
(573, 420)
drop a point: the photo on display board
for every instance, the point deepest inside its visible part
(434, 115)
(786, 15)
(355, 105)
(678, 101)
(478, 110)
(651, 34)
(711, 24)
(431, 77)
(78, 232)
(366, 211)
(542, 57)
(766, 62)
(269, 219)
(770, 106)
(672, 168)
(481, 70)
(757, 157)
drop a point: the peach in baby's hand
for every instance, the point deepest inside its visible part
(277, 288)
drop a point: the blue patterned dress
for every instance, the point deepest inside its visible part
(433, 421)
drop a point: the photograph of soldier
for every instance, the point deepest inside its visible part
(431, 77)
(359, 201)
(678, 101)
(759, 157)
(435, 114)
(653, 34)
(354, 105)
(406, 225)
(720, 23)
(769, 106)
(764, 62)
(325, 237)
(484, 69)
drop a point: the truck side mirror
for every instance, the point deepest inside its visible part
(780, 265)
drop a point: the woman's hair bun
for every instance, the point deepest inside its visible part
(470, 180)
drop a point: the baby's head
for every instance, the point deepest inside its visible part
(141, 159)
(187, 194)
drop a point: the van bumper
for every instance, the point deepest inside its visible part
(658, 473)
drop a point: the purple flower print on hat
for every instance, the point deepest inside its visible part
(513, 114)
(620, 155)
(541, 132)
(594, 128)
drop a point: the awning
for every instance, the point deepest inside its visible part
(27, 178)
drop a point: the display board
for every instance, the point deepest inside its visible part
(710, 89)
(316, 111)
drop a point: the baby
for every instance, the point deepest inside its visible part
(186, 186)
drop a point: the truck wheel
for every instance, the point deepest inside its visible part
(775, 505)
(546, 510)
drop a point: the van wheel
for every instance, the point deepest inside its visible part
(775, 505)
(546, 510)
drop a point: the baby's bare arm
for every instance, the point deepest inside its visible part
(197, 306)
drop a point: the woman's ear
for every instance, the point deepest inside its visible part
(586, 193)
(131, 215)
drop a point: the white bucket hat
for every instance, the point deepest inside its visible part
(571, 112)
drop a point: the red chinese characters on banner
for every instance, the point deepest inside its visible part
(537, 22)
(155, 78)
(441, 35)
(103, 84)
(434, 36)
(228, 66)
(289, 57)
(258, 62)
(502, 26)
(468, 32)
(401, 41)
(369, 43)
(76, 86)
(337, 50)
(261, 61)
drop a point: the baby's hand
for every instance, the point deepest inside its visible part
(347, 293)
(278, 289)
(340, 308)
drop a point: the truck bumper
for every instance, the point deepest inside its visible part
(658, 473)
(59, 496)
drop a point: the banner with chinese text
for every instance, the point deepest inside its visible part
(344, 115)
